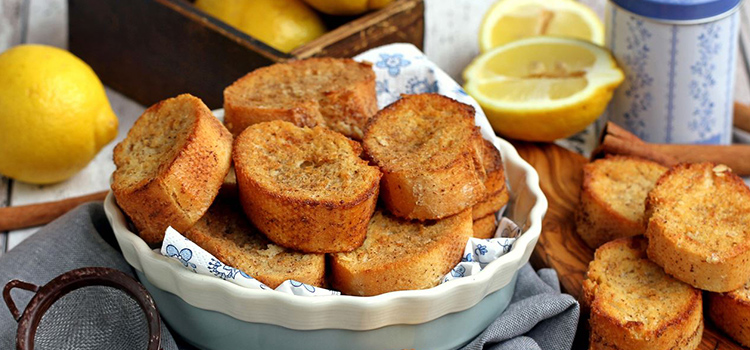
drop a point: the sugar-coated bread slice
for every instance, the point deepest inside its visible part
(401, 255)
(635, 305)
(306, 189)
(485, 227)
(613, 196)
(225, 232)
(430, 153)
(335, 92)
(497, 192)
(171, 166)
(699, 226)
(731, 313)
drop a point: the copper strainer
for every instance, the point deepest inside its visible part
(87, 308)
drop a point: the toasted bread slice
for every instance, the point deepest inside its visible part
(485, 227)
(635, 305)
(613, 196)
(229, 185)
(699, 226)
(226, 233)
(731, 313)
(171, 166)
(306, 189)
(401, 255)
(497, 192)
(335, 92)
(430, 153)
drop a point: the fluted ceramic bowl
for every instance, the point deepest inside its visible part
(212, 313)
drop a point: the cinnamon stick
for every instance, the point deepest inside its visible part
(23, 216)
(742, 116)
(616, 140)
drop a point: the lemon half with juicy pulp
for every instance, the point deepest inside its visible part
(543, 88)
(510, 20)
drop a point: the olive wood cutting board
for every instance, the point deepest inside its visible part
(559, 246)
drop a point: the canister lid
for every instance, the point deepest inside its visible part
(677, 10)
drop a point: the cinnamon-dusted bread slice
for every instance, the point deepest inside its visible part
(401, 255)
(497, 192)
(431, 156)
(229, 185)
(485, 227)
(336, 92)
(635, 305)
(171, 166)
(306, 189)
(226, 233)
(731, 313)
(613, 196)
(699, 226)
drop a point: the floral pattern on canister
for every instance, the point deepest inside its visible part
(703, 81)
(637, 76)
(679, 76)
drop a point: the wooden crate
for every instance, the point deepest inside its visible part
(154, 49)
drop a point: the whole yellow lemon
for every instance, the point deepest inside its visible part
(282, 24)
(54, 114)
(347, 7)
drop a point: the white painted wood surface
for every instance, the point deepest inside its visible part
(450, 41)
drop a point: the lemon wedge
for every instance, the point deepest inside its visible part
(543, 88)
(510, 20)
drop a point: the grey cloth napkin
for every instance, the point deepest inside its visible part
(538, 317)
(75, 240)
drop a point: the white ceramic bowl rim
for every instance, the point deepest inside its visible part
(341, 311)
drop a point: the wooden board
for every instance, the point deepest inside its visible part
(559, 246)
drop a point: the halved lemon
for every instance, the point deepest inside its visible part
(543, 88)
(510, 20)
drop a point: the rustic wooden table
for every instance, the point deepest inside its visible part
(451, 35)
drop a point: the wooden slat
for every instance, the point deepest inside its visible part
(11, 23)
(48, 23)
(12, 28)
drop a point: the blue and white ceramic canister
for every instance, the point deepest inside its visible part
(679, 59)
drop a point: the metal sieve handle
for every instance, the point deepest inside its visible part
(9, 299)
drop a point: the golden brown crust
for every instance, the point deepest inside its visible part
(635, 305)
(177, 190)
(428, 149)
(731, 313)
(335, 92)
(699, 226)
(314, 219)
(610, 189)
(225, 232)
(497, 192)
(485, 227)
(401, 255)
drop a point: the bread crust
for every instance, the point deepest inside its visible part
(225, 232)
(731, 313)
(485, 227)
(342, 107)
(419, 270)
(597, 221)
(497, 191)
(185, 186)
(680, 324)
(691, 254)
(313, 225)
(428, 191)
